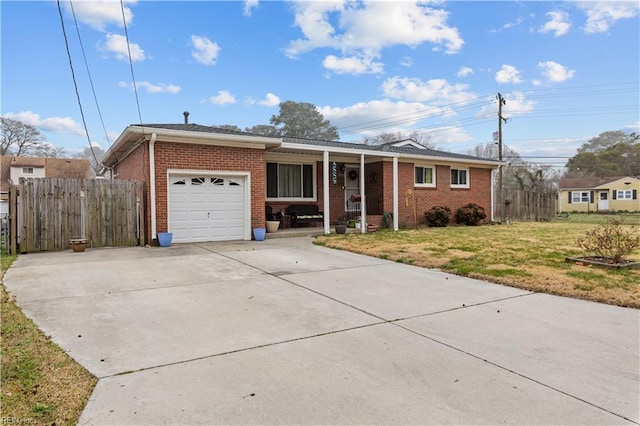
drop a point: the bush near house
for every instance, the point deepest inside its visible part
(438, 216)
(470, 214)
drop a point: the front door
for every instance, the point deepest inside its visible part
(603, 201)
(351, 187)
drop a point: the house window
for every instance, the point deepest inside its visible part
(293, 181)
(459, 178)
(624, 194)
(580, 197)
(27, 170)
(425, 176)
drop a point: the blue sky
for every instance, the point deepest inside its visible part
(568, 70)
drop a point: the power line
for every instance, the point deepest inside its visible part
(75, 84)
(89, 74)
(133, 78)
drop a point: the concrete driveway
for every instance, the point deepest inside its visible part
(285, 332)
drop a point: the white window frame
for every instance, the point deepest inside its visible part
(293, 199)
(621, 194)
(582, 197)
(432, 184)
(468, 177)
(27, 171)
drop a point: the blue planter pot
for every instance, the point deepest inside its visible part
(164, 238)
(259, 233)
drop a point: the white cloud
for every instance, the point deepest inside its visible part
(446, 135)
(51, 124)
(99, 14)
(519, 20)
(270, 100)
(559, 23)
(555, 72)
(352, 65)
(434, 90)
(248, 6)
(508, 74)
(464, 71)
(117, 45)
(536, 82)
(379, 110)
(204, 50)
(222, 98)
(363, 29)
(153, 88)
(602, 15)
(516, 104)
(407, 61)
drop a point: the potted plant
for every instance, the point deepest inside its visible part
(78, 245)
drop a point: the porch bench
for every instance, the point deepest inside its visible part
(304, 213)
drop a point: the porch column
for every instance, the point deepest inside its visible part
(363, 198)
(395, 193)
(325, 191)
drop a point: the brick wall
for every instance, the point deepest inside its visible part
(181, 156)
(414, 202)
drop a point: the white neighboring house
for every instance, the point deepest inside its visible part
(13, 168)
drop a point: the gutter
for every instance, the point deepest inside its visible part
(152, 184)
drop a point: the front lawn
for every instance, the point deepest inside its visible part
(526, 255)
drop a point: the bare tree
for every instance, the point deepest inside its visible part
(45, 149)
(415, 136)
(18, 138)
(87, 154)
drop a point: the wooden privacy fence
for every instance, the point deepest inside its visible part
(527, 205)
(48, 212)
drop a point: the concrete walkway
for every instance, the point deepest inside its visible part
(285, 332)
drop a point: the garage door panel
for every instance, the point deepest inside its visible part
(205, 208)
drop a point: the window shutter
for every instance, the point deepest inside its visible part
(635, 194)
(615, 194)
(569, 197)
(591, 197)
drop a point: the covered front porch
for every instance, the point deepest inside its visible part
(334, 185)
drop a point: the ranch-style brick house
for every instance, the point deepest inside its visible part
(598, 194)
(212, 184)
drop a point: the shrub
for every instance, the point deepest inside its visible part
(438, 216)
(611, 240)
(471, 214)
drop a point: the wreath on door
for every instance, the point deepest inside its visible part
(353, 174)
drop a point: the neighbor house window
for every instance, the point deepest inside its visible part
(459, 178)
(580, 197)
(626, 194)
(290, 181)
(425, 176)
(27, 170)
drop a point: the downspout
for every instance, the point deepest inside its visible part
(152, 184)
(395, 194)
(493, 177)
(363, 198)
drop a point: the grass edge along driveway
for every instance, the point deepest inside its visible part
(527, 255)
(41, 384)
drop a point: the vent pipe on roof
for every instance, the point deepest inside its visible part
(186, 117)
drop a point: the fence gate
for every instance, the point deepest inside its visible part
(526, 205)
(49, 212)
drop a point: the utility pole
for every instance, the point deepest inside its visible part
(501, 102)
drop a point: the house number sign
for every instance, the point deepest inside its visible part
(334, 173)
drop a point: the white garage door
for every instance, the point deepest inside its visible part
(207, 208)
